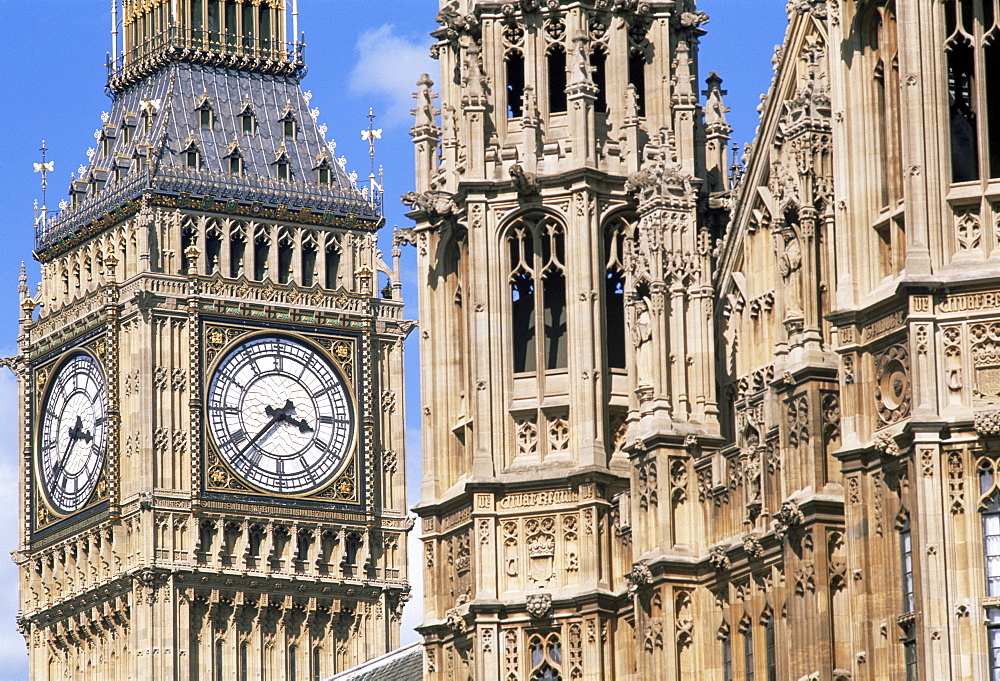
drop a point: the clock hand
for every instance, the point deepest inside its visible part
(74, 435)
(276, 416)
(299, 423)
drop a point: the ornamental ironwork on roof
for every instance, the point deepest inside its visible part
(184, 99)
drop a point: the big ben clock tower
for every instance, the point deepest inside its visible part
(212, 470)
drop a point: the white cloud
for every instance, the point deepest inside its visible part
(388, 68)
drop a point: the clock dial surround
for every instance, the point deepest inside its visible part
(72, 441)
(280, 415)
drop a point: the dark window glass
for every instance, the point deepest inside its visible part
(637, 78)
(964, 144)
(599, 62)
(556, 60)
(515, 84)
(906, 565)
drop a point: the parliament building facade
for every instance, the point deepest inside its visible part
(685, 416)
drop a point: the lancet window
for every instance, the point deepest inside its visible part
(989, 508)
(537, 280)
(598, 65)
(746, 627)
(637, 78)
(262, 252)
(308, 260)
(748, 661)
(546, 657)
(909, 637)
(220, 651)
(727, 655)
(285, 253)
(886, 82)
(332, 264)
(972, 47)
(769, 651)
(555, 59)
(244, 661)
(514, 61)
(615, 234)
(906, 563)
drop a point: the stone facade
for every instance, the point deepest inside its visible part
(691, 419)
(210, 218)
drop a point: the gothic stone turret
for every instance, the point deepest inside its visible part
(566, 317)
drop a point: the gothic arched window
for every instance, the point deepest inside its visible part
(514, 61)
(637, 78)
(615, 234)
(727, 653)
(885, 78)
(990, 511)
(219, 654)
(537, 282)
(972, 46)
(244, 661)
(555, 59)
(546, 657)
(749, 665)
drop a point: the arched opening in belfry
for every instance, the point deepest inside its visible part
(554, 294)
(521, 246)
(637, 79)
(332, 272)
(514, 62)
(614, 292)
(262, 252)
(555, 60)
(237, 255)
(598, 64)
(285, 253)
(308, 263)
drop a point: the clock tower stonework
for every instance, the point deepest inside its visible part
(211, 378)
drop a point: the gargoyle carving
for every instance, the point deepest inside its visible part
(526, 183)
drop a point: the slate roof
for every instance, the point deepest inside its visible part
(172, 98)
(402, 664)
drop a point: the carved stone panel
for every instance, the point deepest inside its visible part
(985, 340)
(892, 384)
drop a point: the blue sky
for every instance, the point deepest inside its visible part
(360, 55)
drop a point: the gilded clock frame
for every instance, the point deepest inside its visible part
(45, 512)
(343, 352)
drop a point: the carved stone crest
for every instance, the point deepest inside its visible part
(539, 605)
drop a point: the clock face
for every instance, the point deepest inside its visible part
(280, 415)
(72, 446)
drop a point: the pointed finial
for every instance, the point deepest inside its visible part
(45, 167)
(22, 287)
(372, 134)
